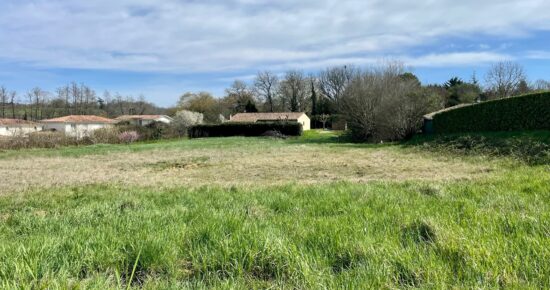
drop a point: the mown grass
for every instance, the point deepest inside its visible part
(480, 233)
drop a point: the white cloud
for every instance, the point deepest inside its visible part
(199, 36)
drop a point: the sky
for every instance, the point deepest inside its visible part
(162, 49)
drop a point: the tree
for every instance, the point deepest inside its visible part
(381, 105)
(313, 97)
(237, 96)
(293, 91)
(3, 100)
(185, 119)
(460, 92)
(202, 102)
(324, 118)
(266, 85)
(541, 85)
(334, 80)
(503, 79)
(13, 96)
(250, 107)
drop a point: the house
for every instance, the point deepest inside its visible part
(77, 125)
(144, 120)
(13, 127)
(301, 118)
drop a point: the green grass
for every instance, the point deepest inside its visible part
(481, 233)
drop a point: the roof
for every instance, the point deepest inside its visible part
(17, 122)
(141, 117)
(80, 119)
(254, 117)
(430, 116)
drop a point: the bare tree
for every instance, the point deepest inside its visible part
(238, 95)
(13, 96)
(3, 100)
(541, 85)
(382, 105)
(265, 86)
(333, 82)
(294, 90)
(504, 78)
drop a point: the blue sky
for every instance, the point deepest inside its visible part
(164, 48)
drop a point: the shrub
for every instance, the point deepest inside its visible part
(105, 136)
(379, 104)
(527, 112)
(45, 139)
(185, 119)
(245, 129)
(128, 137)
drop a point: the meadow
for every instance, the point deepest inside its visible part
(314, 212)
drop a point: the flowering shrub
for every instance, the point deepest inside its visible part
(128, 137)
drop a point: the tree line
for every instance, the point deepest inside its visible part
(321, 94)
(71, 99)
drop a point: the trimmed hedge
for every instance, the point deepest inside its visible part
(527, 112)
(244, 129)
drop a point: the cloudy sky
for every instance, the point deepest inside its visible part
(164, 48)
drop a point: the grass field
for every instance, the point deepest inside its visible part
(314, 212)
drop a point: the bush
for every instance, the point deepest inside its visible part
(185, 119)
(105, 136)
(527, 112)
(380, 104)
(245, 129)
(45, 139)
(152, 131)
(128, 137)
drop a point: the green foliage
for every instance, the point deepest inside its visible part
(245, 129)
(528, 147)
(527, 112)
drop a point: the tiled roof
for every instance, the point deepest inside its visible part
(140, 117)
(254, 117)
(80, 119)
(17, 122)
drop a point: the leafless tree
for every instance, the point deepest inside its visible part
(294, 89)
(238, 95)
(265, 85)
(3, 100)
(333, 82)
(13, 96)
(541, 85)
(381, 105)
(504, 78)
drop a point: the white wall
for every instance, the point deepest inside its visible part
(75, 130)
(305, 121)
(14, 131)
(147, 122)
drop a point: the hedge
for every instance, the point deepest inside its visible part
(526, 112)
(245, 129)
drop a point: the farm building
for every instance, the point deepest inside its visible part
(77, 125)
(301, 118)
(144, 120)
(13, 127)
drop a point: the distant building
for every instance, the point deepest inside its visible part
(77, 125)
(144, 120)
(300, 117)
(14, 127)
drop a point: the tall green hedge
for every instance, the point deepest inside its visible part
(527, 112)
(245, 129)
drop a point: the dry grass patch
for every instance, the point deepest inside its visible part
(234, 165)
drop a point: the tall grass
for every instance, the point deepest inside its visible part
(469, 234)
